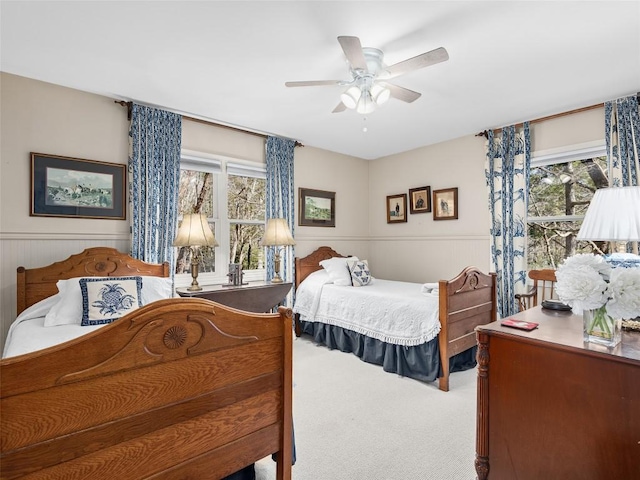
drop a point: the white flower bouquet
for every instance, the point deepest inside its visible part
(604, 295)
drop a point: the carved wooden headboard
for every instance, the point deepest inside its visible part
(35, 284)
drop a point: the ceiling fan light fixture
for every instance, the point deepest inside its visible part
(351, 97)
(380, 94)
(366, 103)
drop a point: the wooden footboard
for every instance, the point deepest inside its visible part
(180, 388)
(466, 301)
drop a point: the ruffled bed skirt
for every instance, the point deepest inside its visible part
(421, 362)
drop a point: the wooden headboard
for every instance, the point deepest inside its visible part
(307, 265)
(35, 284)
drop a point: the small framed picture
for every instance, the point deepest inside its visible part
(445, 204)
(316, 208)
(73, 187)
(397, 208)
(420, 200)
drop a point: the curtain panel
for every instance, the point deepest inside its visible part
(280, 197)
(507, 176)
(622, 133)
(155, 138)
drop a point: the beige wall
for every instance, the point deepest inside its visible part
(424, 250)
(45, 118)
(346, 176)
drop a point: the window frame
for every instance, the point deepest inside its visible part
(219, 166)
(565, 154)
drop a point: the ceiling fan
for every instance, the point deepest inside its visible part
(369, 86)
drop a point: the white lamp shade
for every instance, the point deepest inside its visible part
(277, 233)
(366, 103)
(613, 215)
(195, 231)
(350, 97)
(380, 94)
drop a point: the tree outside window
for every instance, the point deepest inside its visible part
(233, 198)
(246, 213)
(559, 194)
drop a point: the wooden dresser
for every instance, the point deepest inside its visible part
(553, 407)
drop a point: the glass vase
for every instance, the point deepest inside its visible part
(601, 328)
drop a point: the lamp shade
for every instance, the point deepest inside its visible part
(350, 97)
(195, 231)
(277, 233)
(613, 215)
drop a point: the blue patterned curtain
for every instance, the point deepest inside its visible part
(507, 175)
(281, 197)
(154, 173)
(622, 123)
(622, 133)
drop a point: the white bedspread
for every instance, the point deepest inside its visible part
(393, 312)
(28, 333)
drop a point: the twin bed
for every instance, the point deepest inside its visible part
(442, 318)
(187, 388)
(178, 388)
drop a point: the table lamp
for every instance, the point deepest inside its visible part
(194, 232)
(613, 216)
(277, 234)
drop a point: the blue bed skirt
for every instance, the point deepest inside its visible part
(421, 362)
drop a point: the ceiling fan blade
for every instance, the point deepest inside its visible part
(353, 51)
(341, 107)
(420, 61)
(402, 93)
(313, 83)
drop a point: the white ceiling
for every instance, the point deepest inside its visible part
(228, 61)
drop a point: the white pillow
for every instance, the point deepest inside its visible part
(68, 311)
(105, 300)
(338, 270)
(360, 274)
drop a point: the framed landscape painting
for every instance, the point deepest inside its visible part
(316, 208)
(74, 187)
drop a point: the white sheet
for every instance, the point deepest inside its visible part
(28, 333)
(393, 312)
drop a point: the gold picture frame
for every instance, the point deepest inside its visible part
(397, 208)
(445, 204)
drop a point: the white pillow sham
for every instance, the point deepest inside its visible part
(68, 310)
(338, 270)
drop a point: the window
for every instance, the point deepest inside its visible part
(560, 189)
(246, 207)
(232, 195)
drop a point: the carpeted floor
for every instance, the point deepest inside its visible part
(353, 421)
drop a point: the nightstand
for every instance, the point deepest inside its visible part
(259, 297)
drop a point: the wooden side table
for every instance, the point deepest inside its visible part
(258, 297)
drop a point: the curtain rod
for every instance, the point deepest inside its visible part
(206, 122)
(485, 134)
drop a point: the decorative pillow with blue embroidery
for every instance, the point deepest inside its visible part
(360, 274)
(108, 298)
